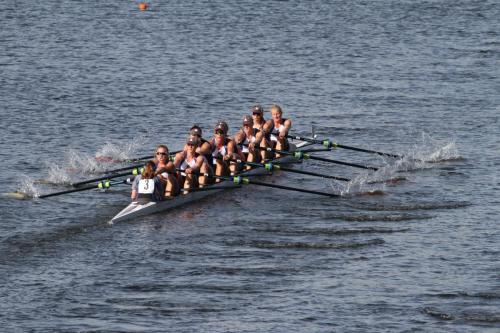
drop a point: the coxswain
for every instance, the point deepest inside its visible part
(223, 151)
(166, 170)
(246, 139)
(148, 186)
(196, 169)
(278, 128)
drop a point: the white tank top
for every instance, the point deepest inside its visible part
(188, 164)
(276, 131)
(245, 143)
(222, 150)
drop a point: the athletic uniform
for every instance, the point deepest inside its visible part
(148, 189)
(275, 131)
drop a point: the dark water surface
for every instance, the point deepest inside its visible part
(419, 253)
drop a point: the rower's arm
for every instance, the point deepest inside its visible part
(178, 159)
(267, 126)
(170, 167)
(288, 125)
(199, 163)
(206, 148)
(258, 138)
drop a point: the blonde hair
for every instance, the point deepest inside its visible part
(161, 146)
(275, 107)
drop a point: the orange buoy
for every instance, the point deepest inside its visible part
(143, 6)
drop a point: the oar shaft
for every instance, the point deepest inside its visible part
(368, 151)
(269, 166)
(100, 185)
(67, 192)
(329, 144)
(317, 158)
(307, 156)
(130, 167)
(310, 173)
(149, 157)
(102, 178)
(288, 188)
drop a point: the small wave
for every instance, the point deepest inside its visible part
(433, 312)
(332, 232)
(304, 245)
(383, 218)
(475, 316)
(418, 206)
(481, 295)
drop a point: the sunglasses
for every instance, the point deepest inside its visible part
(256, 114)
(219, 132)
(191, 145)
(161, 153)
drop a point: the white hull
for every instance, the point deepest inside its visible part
(136, 209)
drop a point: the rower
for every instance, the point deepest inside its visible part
(147, 186)
(258, 124)
(223, 150)
(278, 128)
(166, 170)
(192, 164)
(247, 138)
(204, 146)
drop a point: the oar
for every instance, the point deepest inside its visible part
(100, 185)
(238, 180)
(133, 172)
(329, 144)
(272, 167)
(301, 155)
(245, 180)
(171, 157)
(147, 157)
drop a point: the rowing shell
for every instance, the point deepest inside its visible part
(136, 209)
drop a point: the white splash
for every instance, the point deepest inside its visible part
(58, 175)
(81, 162)
(113, 152)
(27, 187)
(362, 185)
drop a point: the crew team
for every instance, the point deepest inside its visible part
(203, 161)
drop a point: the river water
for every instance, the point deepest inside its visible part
(413, 247)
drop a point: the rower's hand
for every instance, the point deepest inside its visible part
(188, 171)
(227, 157)
(282, 134)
